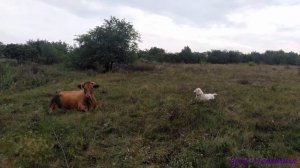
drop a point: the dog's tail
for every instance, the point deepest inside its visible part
(215, 94)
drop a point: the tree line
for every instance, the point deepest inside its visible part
(39, 51)
(220, 57)
(115, 42)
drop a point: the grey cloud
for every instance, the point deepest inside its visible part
(194, 12)
(81, 8)
(199, 13)
(185, 11)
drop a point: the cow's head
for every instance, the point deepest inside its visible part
(88, 88)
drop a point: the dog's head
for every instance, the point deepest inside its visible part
(198, 91)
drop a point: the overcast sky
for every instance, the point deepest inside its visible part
(244, 25)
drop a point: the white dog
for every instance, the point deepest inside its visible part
(200, 96)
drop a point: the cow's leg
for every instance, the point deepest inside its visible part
(52, 107)
(82, 107)
(55, 102)
(94, 102)
(95, 106)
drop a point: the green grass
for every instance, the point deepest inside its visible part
(149, 118)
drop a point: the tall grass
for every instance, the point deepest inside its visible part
(20, 77)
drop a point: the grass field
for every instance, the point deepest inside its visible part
(149, 118)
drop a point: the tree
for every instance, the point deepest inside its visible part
(235, 56)
(200, 57)
(2, 46)
(155, 54)
(156, 51)
(217, 57)
(186, 55)
(48, 52)
(115, 42)
(254, 57)
(20, 52)
(293, 58)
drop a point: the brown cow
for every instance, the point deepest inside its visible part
(83, 99)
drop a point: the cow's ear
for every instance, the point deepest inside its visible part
(79, 86)
(95, 86)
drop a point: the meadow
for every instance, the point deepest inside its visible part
(147, 117)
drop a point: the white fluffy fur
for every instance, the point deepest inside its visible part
(200, 96)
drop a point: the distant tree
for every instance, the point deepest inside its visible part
(115, 42)
(292, 58)
(49, 52)
(220, 57)
(61, 47)
(200, 57)
(156, 51)
(154, 54)
(169, 57)
(2, 46)
(186, 51)
(186, 55)
(253, 56)
(217, 57)
(20, 52)
(234, 56)
(225, 57)
(269, 57)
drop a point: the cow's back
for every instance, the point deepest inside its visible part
(71, 99)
